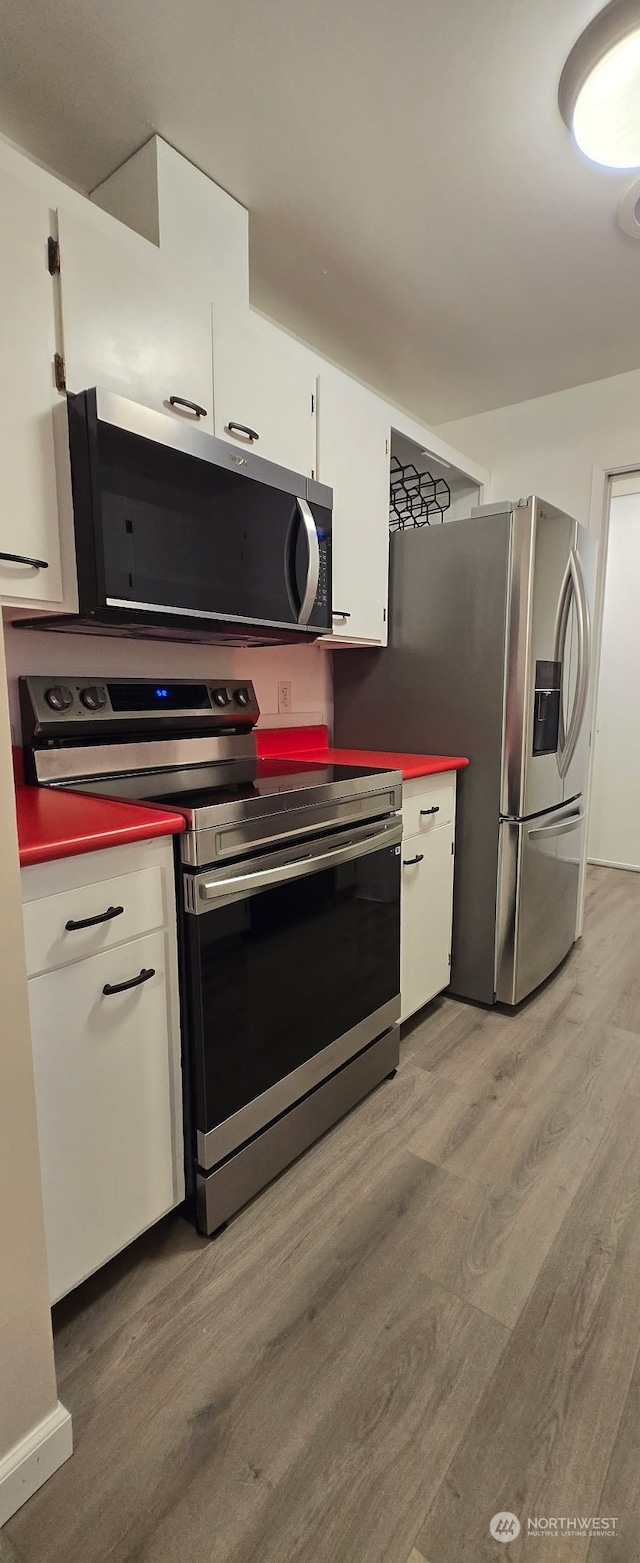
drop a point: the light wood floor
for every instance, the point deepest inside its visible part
(433, 1316)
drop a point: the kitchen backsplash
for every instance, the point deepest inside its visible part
(306, 668)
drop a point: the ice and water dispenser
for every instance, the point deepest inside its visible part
(546, 709)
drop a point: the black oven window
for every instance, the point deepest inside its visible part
(287, 971)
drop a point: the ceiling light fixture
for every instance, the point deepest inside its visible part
(599, 92)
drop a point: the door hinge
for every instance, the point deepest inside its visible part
(386, 447)
(313, 402)
(53, 255)
(449, 957)
(384, 615)
(59, 372)
(452, 848)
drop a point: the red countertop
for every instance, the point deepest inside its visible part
(312, 743)
(54, 824)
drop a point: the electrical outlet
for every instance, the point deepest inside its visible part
(284, 696)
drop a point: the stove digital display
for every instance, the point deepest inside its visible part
(159, 697)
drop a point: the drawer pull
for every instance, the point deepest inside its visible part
(194, 407)
(92, 922)
(134, 982)
(243, 430)
(339, 614)
(434, 810)
(407, 862)
(34, 564)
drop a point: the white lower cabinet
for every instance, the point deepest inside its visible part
(106, 1063)
(427, 889)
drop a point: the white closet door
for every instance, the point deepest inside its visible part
(614, 829)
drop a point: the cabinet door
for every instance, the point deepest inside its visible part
(29, 512)
(103, 1096)
(425, 939)
(353, 457)
(263, 384)
(133, 321)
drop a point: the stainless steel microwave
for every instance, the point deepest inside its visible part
(181, 536)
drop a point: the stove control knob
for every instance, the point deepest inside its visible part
(59, 698)
(242, 697)
(93, 697)
(220, 697)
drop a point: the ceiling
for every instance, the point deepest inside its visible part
(418, 211)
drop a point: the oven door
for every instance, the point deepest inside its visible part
(293, 963)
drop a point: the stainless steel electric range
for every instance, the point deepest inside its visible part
(288, 893)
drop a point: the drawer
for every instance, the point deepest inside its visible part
(134, 902)
(428, 802)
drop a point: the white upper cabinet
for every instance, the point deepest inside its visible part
(133, 321)
(353, 457)
(28, 505)
(264, 390)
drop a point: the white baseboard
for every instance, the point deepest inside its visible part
(31, 1462)
(605, 862)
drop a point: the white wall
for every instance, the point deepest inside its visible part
(614, 831)
(551, 445)
(28, 1395)
(307, 668)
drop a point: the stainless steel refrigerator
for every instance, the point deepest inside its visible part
(489, 656)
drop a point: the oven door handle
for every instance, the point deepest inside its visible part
(261, 879)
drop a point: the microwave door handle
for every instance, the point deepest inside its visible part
(313, 566)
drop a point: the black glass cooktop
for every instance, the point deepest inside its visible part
(201, 787)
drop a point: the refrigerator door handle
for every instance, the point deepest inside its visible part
(560, 635)
(573, 589)
(561, 828)
(584, 660)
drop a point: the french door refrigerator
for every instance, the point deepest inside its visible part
(489, 656)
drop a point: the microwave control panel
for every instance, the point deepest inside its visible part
(324, 576)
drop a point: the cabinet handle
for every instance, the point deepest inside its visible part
(182, 401)
(36, 564)
(92, 922)
(134, 982)
(434, 810)
(407, 862)
(337, 614)
(242, 428)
